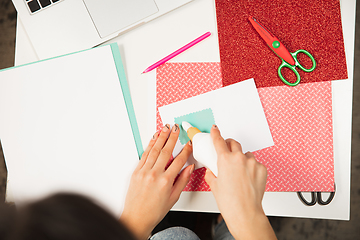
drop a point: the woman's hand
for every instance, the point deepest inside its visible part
(152, 191)
(239, 189)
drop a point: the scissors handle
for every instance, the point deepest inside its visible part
(293, 67)
(304, 201)
(326, 202)
(316, 197)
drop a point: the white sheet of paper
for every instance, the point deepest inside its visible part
(64, 127)
(237, 112)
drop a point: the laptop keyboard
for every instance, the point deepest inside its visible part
(37, 5)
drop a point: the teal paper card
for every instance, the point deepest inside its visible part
(203, 120)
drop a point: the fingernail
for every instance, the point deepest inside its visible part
(175, 128)
(190, 143)
(155, 135)
(214, 126)
(166, 128)
(192, 169)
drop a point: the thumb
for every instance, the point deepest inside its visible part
(210, 179)
(218, 141)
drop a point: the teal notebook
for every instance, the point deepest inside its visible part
(68, 124)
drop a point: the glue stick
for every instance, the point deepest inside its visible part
(203, 147)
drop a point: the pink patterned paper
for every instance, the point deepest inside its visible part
(300, 121)
(179, 81)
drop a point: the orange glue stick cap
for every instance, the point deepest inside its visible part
(190, 130)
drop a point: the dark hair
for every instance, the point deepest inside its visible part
(61, 216)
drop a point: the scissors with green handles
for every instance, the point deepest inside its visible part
(289, 59)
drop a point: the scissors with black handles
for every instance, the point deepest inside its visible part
(316, 197)
(289, 59)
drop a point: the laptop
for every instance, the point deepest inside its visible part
(57, 27)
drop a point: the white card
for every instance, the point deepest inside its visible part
(237, 111)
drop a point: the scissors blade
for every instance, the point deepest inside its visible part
(272, 41)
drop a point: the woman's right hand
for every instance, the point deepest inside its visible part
(239, 189)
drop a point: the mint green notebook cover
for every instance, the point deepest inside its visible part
(124, 87)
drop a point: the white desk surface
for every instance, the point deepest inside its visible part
(148, 43)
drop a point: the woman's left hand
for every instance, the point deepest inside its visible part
(153, 189)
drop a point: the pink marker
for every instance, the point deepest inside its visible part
(177, 52)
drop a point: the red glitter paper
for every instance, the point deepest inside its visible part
(313, 25)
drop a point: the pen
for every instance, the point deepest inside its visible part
(177, 52)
